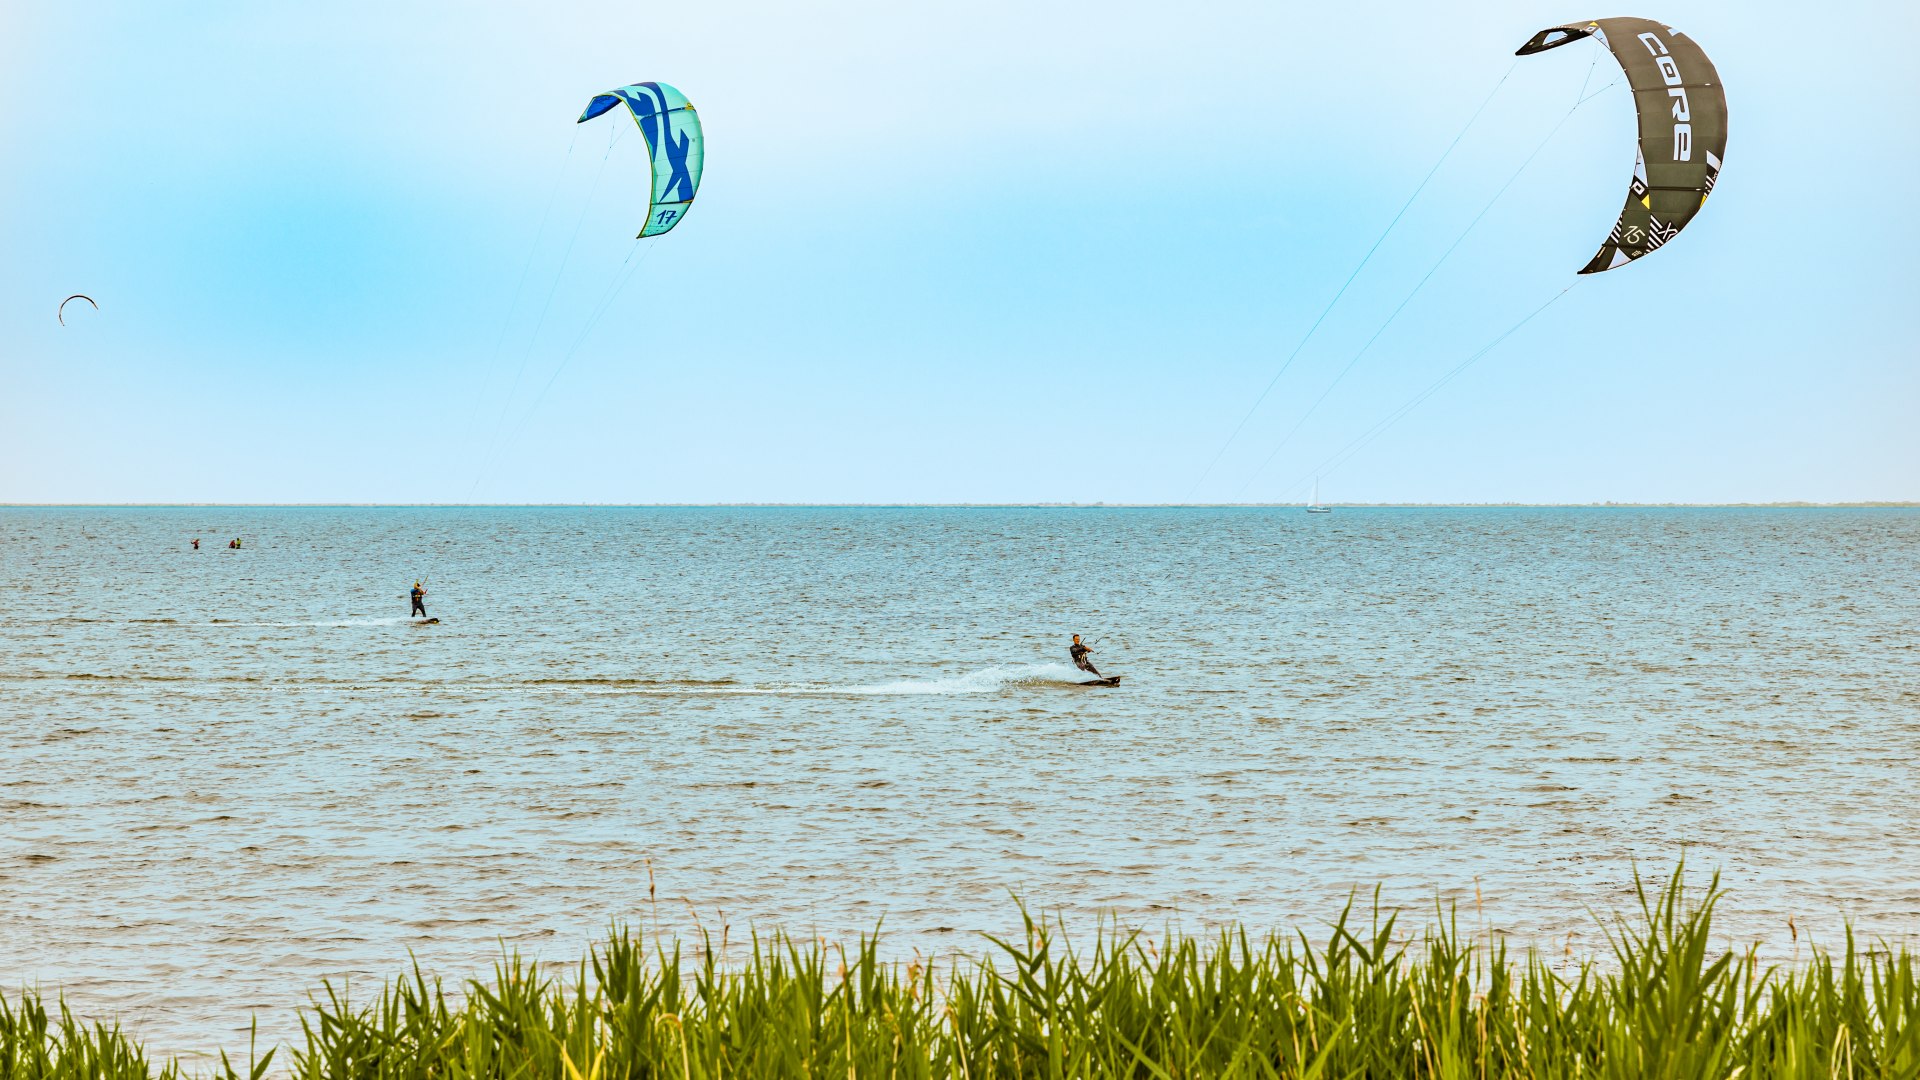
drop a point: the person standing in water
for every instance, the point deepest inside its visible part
(196, 543)
(419, 600)
(1079, 653)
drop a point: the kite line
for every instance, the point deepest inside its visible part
(1342, 291)
(1415, 291)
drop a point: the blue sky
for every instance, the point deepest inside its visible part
(942, 253)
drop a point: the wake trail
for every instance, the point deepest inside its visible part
(989, 680)
(984, 681)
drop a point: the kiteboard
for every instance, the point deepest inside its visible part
(1111, 680)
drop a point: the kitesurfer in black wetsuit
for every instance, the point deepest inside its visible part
(1079, 653)
(419, 600)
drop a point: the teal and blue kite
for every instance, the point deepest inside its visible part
(674, 144)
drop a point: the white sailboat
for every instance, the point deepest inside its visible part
(1314, 507)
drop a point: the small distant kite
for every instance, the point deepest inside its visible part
(1683, 129)
(62, 313)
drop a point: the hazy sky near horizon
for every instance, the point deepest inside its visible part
(990, 251)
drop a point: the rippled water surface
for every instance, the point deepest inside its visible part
(225, 775)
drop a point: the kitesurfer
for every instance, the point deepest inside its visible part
(1079, 653)
(419, 600)
(196, 543)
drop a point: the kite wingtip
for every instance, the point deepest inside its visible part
(1555, 36)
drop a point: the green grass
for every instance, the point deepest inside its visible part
(1369, 1002)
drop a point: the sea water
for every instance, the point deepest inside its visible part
(228, 774)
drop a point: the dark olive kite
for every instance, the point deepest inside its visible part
(61, 312)
(1683, 129)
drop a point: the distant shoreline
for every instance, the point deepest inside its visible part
(1888, 505)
